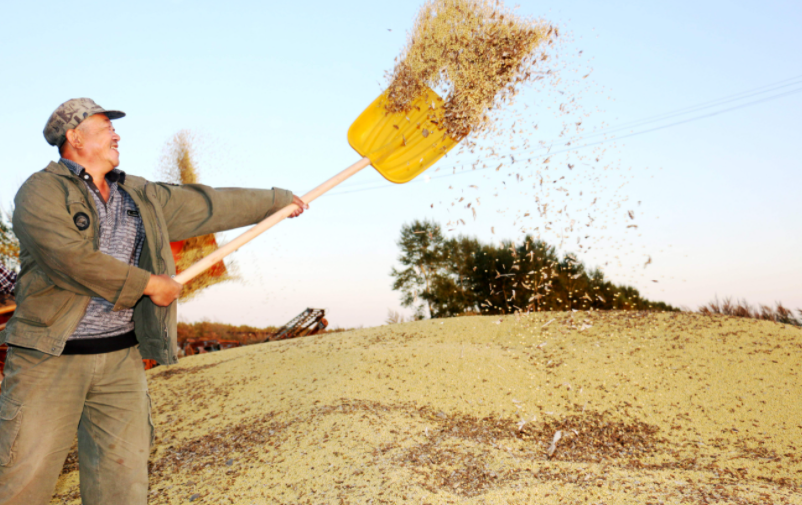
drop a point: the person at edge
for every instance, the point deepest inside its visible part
(94, 297)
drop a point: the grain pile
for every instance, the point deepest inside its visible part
(478, 51)
(650, 408)
(178, 167)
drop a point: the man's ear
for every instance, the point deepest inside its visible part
(74, 138)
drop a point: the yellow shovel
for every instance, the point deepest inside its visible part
(400, 146)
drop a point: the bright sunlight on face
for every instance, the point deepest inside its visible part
(100, 140)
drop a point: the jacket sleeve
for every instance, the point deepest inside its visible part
(46, 230)
(192, 210)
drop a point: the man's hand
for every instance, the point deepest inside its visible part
(163, 290)
(301, 206)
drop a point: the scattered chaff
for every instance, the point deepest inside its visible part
(478, 50)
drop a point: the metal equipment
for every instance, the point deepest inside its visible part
(308, 322)
(193, 346)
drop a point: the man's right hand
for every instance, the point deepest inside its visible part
(163, 290)
(301, 206)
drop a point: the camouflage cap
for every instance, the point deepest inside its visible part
(69, 115)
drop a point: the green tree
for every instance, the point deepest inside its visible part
(423, 256)
(511, 277)
(452, 290)
(462, 275)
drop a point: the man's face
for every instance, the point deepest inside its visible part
(99, 140)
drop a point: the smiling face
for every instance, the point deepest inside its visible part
(96, 142)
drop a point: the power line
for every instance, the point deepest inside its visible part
(705, 105)
(715, 113)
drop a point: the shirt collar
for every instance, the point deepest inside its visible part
(114, 176)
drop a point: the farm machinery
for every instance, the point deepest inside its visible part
(308, 322)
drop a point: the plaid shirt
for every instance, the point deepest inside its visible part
(8, 278)
(121, 236)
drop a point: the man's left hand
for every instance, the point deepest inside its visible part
(301, 206)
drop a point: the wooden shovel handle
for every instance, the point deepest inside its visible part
(199, 267)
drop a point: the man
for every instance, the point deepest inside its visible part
(95, 296)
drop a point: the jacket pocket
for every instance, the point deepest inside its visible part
(41, 302)
(10, 421)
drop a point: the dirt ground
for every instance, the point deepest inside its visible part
(651, 408)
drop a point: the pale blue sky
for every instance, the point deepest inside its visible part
(272, 88)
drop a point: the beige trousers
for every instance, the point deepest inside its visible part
(45, 399)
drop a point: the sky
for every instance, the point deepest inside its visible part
(270, 90)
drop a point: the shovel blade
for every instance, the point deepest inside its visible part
(402, 145)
